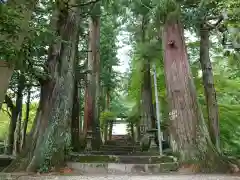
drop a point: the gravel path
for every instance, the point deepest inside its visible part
(133, 177)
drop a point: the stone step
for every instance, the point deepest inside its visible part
(108, 168)
(83, 158)
(119, 142)
(118, 148)
(121, 152)
(135, 153)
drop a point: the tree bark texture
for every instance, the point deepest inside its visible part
(51, 129)
(208, 82)
(147, 105)
(19, 103)
(147, 97)
(110, 130)
(12, 125)
(93, 86)
(25, 8)
(16, 109)
(25, 123)
(75, 118)
(188, 131)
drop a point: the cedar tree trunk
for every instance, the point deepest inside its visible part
(190, 137)
(210, 92)
(51, 134)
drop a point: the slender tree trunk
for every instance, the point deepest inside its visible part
(147, 105)
(19, 103)
(12, 125)
(51, 130)
(210, 92)
(75, 118)
(7, 68)
(105, 132)
(147, 97)
(190, 137)
(25, 123)
(106, 127)
(87, 107)
(132, 131)
(110, 130)
(81, 99)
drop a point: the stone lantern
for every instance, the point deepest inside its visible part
(89, 140)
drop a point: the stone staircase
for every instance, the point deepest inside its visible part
(108, 164)
(122, 156)
(119, 147)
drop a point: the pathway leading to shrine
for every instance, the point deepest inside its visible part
(131, 177)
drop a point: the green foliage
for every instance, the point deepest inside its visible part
(10, 26)
(107, 116)
(5, 119)
(4, 124)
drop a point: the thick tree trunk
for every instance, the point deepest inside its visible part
(7, 68)
(92, 114)
(51, 131)
(210, 92)
(25, 123)
(96, 73)
(190, 137)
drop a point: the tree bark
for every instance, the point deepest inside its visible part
(87, 107)
(189, 134)
(51, 134)
(93, 86)
(12, 125)
(208, 82)
(25, 7)
(75, 118)
(108, 124)
(19, 103)
(25, 123)
(147, 105)
(147, 97)
(110, 130)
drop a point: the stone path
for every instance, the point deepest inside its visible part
(129, 177)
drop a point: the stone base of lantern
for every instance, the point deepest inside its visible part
(89, 141)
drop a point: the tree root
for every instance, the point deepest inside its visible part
(211, 164)
(16, 165)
